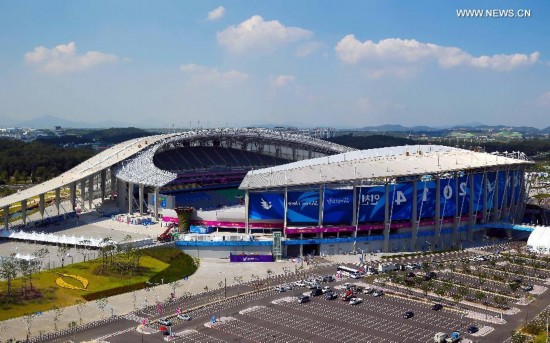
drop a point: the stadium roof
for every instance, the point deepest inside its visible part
(134, 158)
(539, 240)
(93, 165)
(377, 164)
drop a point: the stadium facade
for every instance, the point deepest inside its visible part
(323, 198)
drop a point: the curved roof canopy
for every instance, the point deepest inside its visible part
(133, 159)
(378, 164)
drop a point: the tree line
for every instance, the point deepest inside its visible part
(36, 161)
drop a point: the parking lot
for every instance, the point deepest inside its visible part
(270, 312)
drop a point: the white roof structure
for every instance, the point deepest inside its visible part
(377, 164)
(101, 161)
(134, 158)
(539, 240)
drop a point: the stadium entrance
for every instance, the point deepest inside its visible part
(312, 249)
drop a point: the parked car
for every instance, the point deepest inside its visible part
(303, 299)
(316, 291)
(184, 316)
(326, 289)
(331, 296)
(280, 289)
(300, 283)
(165, 321)
(472, 329)
(408, 314)
(355, 301)
(437, 307)
(368, 290)
(328, 278)
(411, 275)
(527, 288)
(378, 293)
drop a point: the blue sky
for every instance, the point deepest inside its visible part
(343, 64)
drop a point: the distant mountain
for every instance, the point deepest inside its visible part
(547, 130)
(470, 126)
(48, 122)
(398, 128)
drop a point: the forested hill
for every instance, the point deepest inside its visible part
(38, 161)
(105, 136)
(371, 142)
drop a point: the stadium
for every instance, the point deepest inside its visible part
(271, 192)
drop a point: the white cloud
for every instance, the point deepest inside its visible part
(260, 35)
(216, 13)
(213, 76)
(64, 59)
(281, 80)
(307, 48)
(396, 50)
(544, 99)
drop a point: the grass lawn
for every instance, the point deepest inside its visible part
(55, 296)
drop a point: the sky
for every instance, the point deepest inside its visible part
(342, 64)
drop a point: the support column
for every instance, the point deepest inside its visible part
(496, 211)
(57, 199)
(301, 244)
(114, 188)
(156, 211)
(285, 213)
(321, 204)
(90, 192)
(72, 195)
(41, 204)
(414, 217)
(246, 213)
(102, 185)
(141, 189)
(454, 235)
(82, 193)
(24, 211)
(471, 216)
(6, 216)
(485, 216)
(355, 219)
(387, 225)
(130, 197)
(437, 232)
(121, 194)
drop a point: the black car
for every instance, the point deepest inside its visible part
(328, 278)
(437, 307)
(472, 329)
(303, 299)
(408, 314)
(527, 288)
(316, 291)
(331, 296)
(411, 274)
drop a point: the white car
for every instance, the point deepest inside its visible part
(355, 301)
(378, 293)
(300, 283)
(326, 289)
(186, 317)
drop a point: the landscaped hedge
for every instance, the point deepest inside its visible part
(114, 291)
(180, 264)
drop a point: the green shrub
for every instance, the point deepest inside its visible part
(180, 264)
(114, 291)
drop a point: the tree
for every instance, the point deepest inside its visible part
(102, 304)
(238, 280)
(426, 287)
(28, 324)
(79, 308)
(57, 312)
(8, 271)
(81, 248)
(62, 251)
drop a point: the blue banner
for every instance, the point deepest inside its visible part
(502, 187)
(447, 198)
(303, 207)
(478, 192)
(425, 191)
(518, 182)
(464, 192)
(270, 206)
(338, 206)
(491, 183)
(401, 201)
(371, 202)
